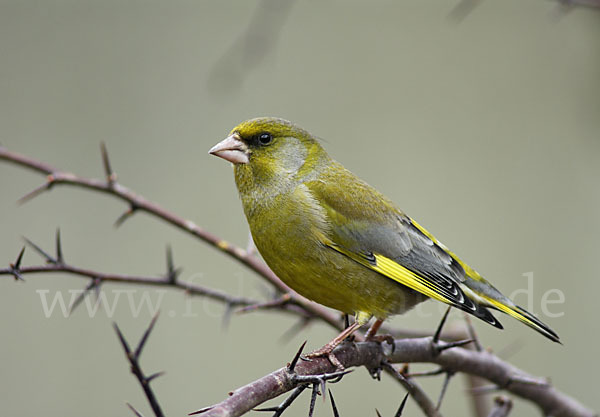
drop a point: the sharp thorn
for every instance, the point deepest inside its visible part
(333, 406)
(59, 253)
(286, 403)
(127, 214)
(172, 272)
(17, 264)
(36, 191)
(138, 350)
(378, 413)
(170, 266)
(49, 259)
(338, 378)
(316, 379)
(202, 410)
(438, 332)
(450, 345)
(136, 412)
(449, 375)
(95, 283)
(111, 177)
(154, 376)
(122, 339)
(402, 405)
(323, 390)
(313, 399)
(266, 409)
(289, 400)
(294, 361)
(15, 268)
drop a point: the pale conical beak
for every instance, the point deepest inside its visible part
(231, 149)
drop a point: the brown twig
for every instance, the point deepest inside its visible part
(55, 264)
(415, 391)
(369, 354)
(283, 380)
(486, 365)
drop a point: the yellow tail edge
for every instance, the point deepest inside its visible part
(524, 317)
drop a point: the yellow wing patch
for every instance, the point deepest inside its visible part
(452, 295)
(397, 272)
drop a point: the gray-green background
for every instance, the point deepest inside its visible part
(485, 130)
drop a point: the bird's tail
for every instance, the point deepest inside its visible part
(523, 316)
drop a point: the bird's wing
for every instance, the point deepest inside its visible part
(368, 228)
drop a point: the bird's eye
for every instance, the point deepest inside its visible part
(265, 138)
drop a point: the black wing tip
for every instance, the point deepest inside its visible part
(542, 328)
(480, 312)
(485, 315)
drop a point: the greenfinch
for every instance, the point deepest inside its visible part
(339, 242)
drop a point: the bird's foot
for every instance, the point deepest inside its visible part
(326, 351)
(380, 338)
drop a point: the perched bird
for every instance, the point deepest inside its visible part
(339, 242)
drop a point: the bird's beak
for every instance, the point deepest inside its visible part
(231, 149)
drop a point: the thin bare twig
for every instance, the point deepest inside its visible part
(54, 266)
(133, 357)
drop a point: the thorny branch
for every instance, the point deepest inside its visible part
(56, 264)
(134, 357)
(448, 355)
(370, 354)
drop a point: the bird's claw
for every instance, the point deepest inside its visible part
(380, 338)
(325, 352)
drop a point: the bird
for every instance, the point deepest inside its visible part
(336, 240)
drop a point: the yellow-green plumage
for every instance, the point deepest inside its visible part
(338, 241)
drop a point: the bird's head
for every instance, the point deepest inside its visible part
(269, 148)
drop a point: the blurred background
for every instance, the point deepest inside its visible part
(480, 119)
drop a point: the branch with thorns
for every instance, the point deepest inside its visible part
(443, 349)
(133, 357)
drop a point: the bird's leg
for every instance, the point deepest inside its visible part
(361, 319)
(373, 329)
(329, 347)
(371, 334)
